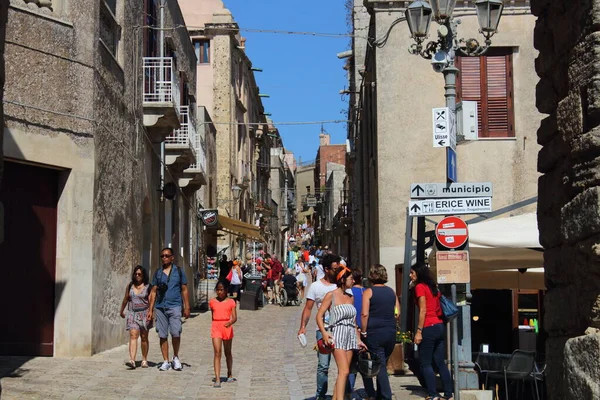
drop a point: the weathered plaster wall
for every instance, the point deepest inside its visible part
(567, 36)
(47, 67)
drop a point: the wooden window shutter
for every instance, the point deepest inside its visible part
(488, 80)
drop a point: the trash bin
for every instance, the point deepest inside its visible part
(252, 297)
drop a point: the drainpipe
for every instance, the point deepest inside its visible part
(161, 50)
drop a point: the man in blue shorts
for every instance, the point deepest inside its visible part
(169, 293)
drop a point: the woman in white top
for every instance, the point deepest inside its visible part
(235, 284)
(301, 276)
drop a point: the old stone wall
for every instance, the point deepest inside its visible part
(567, 34)
(3, 19)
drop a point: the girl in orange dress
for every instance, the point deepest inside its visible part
(223, 317)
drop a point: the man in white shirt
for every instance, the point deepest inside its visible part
(316, 293)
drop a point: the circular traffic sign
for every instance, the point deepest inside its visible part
(452, 232)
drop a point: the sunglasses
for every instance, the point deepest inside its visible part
(137, 274)
(166, 255)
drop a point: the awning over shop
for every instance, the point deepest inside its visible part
(499, 248)
(239, 228)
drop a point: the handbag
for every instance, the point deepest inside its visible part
(449, 309)
(229, 275)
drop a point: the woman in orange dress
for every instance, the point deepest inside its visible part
(223, 317)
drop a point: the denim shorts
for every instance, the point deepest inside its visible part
(168, 320)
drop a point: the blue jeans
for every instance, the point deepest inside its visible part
(380, 342)
(322, 370)
(432, 350)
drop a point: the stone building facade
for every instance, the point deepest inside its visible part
(228, 90)
(3, 20)
(84, 126)
(392, 94)
(566, 35)
(281, 185)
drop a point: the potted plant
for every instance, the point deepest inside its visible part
(395, 365)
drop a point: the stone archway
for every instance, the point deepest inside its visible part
(567, 34)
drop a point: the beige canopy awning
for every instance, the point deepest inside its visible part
(239, 228)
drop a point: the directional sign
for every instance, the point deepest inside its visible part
(444, 190)
(472, 205)
(451, 165)
(441, 127)
(452, 232)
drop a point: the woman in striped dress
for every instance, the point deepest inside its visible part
(342, 332)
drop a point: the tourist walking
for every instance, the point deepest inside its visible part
(430, 335)
(357, 295)
(169, 293)
(224, 315)
(301, 276)
(235, 283)
(342, 332)
(378, 320)
(316, 294)
(138, 317)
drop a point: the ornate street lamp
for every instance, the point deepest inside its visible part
(418, 15)
(237, 191)
(442, 9)
(488, 14)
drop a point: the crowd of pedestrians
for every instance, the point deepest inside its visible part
(353, 322)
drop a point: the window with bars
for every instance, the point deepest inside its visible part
(489, 81)
(202, 51)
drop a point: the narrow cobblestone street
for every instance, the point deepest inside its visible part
(269, 363)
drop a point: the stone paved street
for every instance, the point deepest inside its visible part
(269, 363)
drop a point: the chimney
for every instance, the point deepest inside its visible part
(324, 139)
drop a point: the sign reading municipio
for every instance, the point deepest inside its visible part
(441, 190)
(452, 267)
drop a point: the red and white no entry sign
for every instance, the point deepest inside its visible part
(452, 232)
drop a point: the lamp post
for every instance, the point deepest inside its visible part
(442, 54)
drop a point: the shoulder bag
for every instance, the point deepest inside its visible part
(449, 309)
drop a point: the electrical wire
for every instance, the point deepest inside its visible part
(287, 123)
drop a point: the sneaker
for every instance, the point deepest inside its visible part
(177, 364)
(165, 366)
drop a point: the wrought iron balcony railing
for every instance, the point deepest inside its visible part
(186, 134)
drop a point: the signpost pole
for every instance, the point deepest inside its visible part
(467, 373)
(455, 372)
(406, 272)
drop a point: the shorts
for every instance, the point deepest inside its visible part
(218, 330)
(168, 320)
(301, 278)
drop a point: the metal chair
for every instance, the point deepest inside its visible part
(521, 368)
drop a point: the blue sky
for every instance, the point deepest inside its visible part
(302, 74)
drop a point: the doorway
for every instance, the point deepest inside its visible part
(28, 253)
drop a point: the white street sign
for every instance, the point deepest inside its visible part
(444, 190)
(467, 205)
(441, 127)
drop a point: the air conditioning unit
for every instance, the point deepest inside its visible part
(467, 127)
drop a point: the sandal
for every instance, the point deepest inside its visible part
(131, 364)
(144, 364)
(230, 380)
(217, 384)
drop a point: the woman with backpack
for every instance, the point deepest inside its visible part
(430, 332)
(137, 301)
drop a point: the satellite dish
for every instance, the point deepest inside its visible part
(170, 190)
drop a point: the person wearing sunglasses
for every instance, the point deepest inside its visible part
(169, 293)
(138, 306)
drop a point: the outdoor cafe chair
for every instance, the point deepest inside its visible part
(521, 367)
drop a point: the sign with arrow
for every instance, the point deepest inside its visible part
(446, 190)
(442, 127)
(468, 205)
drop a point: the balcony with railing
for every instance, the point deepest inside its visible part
(180, 145)
(161, 97)
(195, 174)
